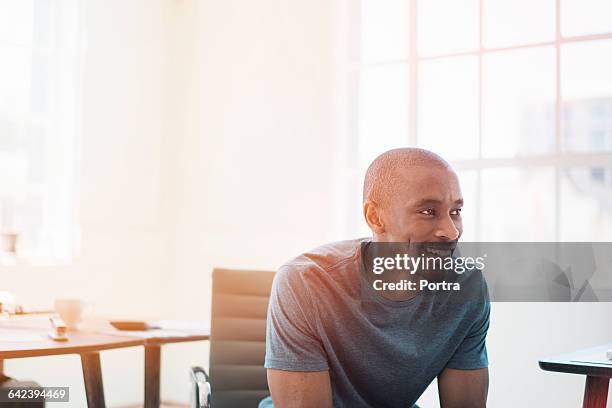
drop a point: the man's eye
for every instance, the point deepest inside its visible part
(456, 211)
(429, 211)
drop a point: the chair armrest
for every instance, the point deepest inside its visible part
(200, 388)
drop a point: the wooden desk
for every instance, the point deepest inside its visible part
(591, 362)
(34, 342)
(31, 341)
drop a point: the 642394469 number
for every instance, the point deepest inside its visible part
(34, 394)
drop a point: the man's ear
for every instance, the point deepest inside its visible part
(371, 212)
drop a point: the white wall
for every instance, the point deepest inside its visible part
(522, 333)
(209, 141)
(252, 186)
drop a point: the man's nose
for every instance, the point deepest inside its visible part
(447, 230)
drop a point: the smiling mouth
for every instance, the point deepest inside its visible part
(439, 251)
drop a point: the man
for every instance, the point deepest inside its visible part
(332, 340)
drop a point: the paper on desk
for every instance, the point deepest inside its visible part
(594, 358)
(146, 334)
(179, 325)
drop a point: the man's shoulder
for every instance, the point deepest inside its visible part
(324, 259)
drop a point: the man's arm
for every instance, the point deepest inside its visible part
(299, 389)
(463, 388)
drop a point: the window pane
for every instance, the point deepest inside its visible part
(518, 204)
(579, 17)
(384, 30)
(468, 180)
(15, 72)
(36, 142)
(383, 110)
(513, 22)
(35, 145)
(40, 82)
(16, 17)
(447, 26)
(518, 102)
(448, 107)
(13, 171)
(586, 204)
(9, 136)
(44, 11)
(587, 96)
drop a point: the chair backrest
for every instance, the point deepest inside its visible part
(238, 337)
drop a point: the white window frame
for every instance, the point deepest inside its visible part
(350, 67)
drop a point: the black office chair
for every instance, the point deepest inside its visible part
(237, 342)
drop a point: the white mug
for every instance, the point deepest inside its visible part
(70, 310)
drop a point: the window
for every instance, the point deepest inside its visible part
(524, 115)
(39, 88)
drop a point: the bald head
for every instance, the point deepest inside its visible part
(384, 176)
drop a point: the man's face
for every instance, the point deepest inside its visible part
(426, 207)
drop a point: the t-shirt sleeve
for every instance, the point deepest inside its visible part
(291, 340)
(472, 352)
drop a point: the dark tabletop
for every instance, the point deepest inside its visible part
(591, 361)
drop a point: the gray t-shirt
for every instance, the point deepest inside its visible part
(325, 315)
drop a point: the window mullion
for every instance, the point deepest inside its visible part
(478, 203)
(413, 69)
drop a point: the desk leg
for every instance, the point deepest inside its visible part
(2, 376)
(152, 368)
(92, 376)
(595, 392)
